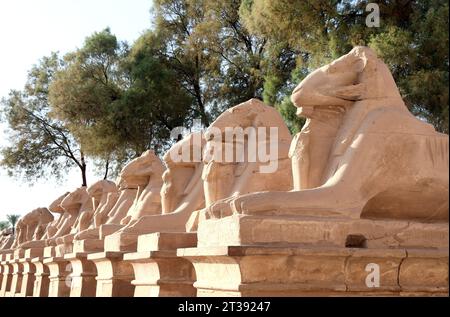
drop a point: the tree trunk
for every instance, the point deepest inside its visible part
(83, 170)
(198, 94)
(106, 170)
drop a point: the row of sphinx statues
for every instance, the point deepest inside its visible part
(361, 155)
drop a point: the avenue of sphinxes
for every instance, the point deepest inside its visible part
(356, 204)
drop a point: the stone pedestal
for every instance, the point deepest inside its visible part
(83, 275)
(60, 280)
(7, 278)
(113, 274)
(309, 256)
(62, 249)
(16, 282)
(240, 230)
(157, 269)
(42, 280)
(59, 273)
(304, 271)
(1, 273)
(19, 253)
(29, 271)
(88, 246)
(2, 258)
(9, 256)
(28, 278)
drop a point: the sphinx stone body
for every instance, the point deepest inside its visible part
(38, 222)
(104, 196)
(31, 227)
(137, 186)
(363, 183)
(55, 208)
(148, 200)
(73, 204)
(370, 186)
(68, 206)
(224, 181)
(20, 234)
(371, 159)
(6, 239)
(181, 194)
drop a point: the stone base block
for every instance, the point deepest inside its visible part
(28, 277)
(19, 253)
(17, 275)
(323, 231)
(42, 280)
(49, 252)
(83, 275)
(157, 269)
(159, 241)
(62, 249)
(10, 257)
(1, 274)
(114, 276)
(108, 229)
(3, 254)
(126, 242)
(60, 279)
(87, 246)
(162, 274)
(34, 253)
(7, 270)
(319, 271)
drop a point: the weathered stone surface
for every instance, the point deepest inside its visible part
(320, 231)
(7, 278)
(84, 272)
(158, 272)
(361, 154)
(60, 280)
(370, 191)
(114, 275)
(181, 194)
(356, 206)
(162, 274)
(28, 278)
(302, 271)
(42, 281)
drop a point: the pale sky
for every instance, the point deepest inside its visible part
(30, 29)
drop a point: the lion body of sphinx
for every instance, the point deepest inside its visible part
(362, 154)
(395, 167)
(364, 173)
(401, 165)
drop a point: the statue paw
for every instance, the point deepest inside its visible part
(250, 203)
(219, 209)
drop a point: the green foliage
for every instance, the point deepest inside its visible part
(118, 102)
(12, 220)
(418, 56)
(40, 145)
(412, 40)
(154, 103)
(217, 60)
(289, 113)
(84, 90)
(4, 225)
(110, 102)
